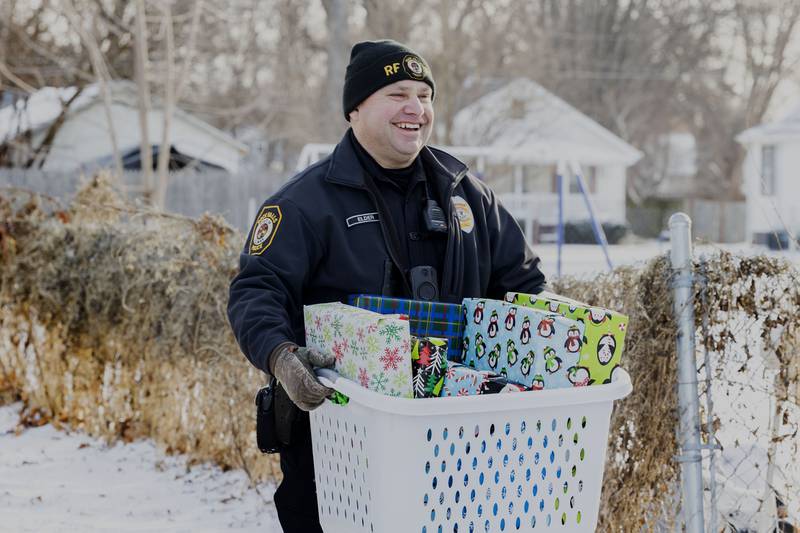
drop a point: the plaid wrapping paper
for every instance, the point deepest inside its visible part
(428, 319)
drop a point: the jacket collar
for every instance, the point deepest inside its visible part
(345, 168)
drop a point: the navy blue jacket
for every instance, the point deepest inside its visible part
(323, 236)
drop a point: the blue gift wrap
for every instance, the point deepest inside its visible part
(534, 348)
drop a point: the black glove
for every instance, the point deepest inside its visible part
(293, 365)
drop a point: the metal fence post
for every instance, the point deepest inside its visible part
(688, 402)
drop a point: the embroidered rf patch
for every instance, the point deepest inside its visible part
(264, 229)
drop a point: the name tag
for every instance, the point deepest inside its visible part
(363, 218)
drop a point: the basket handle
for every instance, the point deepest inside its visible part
(329, 378)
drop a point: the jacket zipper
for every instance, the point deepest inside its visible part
(449, 264)
(387, 241)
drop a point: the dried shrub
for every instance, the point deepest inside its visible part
(113, 320)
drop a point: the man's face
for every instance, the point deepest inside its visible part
(395, 122)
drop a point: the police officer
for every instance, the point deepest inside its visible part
(383, 214)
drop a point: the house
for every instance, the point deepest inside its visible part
(518, 136)
(77, 136)
(675, 162)
(770, 179)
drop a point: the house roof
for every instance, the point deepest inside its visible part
(524, 123)
(40, 109)
(44, 106)
(786, 128)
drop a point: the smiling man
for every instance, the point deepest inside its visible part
(383, 214)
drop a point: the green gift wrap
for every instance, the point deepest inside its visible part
(370, 349)
(429, 363)
(604, 337)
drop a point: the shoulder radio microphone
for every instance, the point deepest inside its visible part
(435, 221)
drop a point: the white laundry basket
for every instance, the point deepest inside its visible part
(527, 461)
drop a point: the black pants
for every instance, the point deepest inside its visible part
(296, 497)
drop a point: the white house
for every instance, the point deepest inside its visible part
(770, 177)
(523, 133)
(83, 140)
(675, 162)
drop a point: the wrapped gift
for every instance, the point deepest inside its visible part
(461, 380)
(371, 349)
(428, 319)
(604, 338)
(429, 363)
(532, 347)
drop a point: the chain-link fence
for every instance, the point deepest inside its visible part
(747, 356)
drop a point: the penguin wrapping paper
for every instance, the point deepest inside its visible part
(604, 339)
(428, 319)
(429, 363)
(371, 349)
(461, 380)
(537, 349)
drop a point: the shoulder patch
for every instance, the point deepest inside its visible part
(464, 212)
(264, 229)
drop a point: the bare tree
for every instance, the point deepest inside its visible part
(165, 151)
(642, 68)
(143, 99)
(336, 50)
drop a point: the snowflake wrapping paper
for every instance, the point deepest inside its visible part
(428, 319)
(461, 380)
(532, 347)
(371, 349)
(604, 339)
(429, 363)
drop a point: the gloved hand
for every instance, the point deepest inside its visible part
(292, 365)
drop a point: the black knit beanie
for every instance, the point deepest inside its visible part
(376, 64)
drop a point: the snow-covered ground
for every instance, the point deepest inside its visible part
(53, 481)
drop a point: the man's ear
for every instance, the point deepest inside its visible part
(353, 115)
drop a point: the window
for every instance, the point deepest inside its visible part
(768, 170)
(537, 178)
(589, 178)
(500, 178)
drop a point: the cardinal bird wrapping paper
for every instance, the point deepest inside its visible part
(429, 363)
(428, 319)
(371, 349)
(604, 340)
(532, 347)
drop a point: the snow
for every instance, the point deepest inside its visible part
(65, 481)
(40, 109)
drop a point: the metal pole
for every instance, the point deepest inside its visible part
(560, 229)
(597, 227)
(688, 403)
